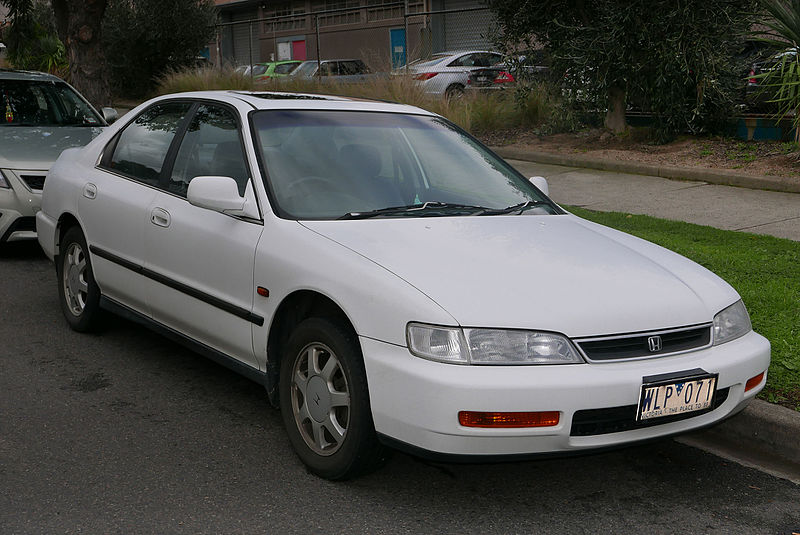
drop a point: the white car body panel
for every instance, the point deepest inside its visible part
(555, 273)
(216, 258)
(558, 256)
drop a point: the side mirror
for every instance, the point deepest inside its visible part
(220, 194)
(541, 183)
(110, 115)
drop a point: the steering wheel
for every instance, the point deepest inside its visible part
(312, 183)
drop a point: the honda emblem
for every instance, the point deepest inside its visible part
(654, 343)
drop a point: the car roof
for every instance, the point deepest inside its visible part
(14, 74)
(277, 100)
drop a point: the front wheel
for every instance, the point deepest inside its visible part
(325, 401)
(77, 289)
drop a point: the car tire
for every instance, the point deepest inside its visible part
(324, 401)
(454, 92)
(78, 292)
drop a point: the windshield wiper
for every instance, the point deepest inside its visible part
(518, 208)
(428, 209)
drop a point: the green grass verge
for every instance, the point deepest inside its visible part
(763, 269)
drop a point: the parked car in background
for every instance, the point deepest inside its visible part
(530, 67)
(758, 96)
(446, 74)
(334, 70)
(390, 281)
(490, 79)
(276, 69)
(40, 115)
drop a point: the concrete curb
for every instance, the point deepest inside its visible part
(768, 427)
(712, 176)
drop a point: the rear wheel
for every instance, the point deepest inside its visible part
(325, 401)
(455, 91)
(77, 289)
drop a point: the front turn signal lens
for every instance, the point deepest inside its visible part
(754, 382)
(508, 419)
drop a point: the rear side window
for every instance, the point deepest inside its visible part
(143, 145)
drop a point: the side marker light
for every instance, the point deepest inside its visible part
(508, 419)
(754, 382)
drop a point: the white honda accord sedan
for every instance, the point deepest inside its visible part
(390, 281)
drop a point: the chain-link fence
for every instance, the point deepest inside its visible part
(384, 35)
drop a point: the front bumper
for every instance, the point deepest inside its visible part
(416, 402)
(18, 207)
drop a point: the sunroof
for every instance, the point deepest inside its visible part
(285, 96)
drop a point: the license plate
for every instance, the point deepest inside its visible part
(676, 397)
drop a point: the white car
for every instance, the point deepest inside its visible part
(390, 281)
(447, 73)
(40, 115)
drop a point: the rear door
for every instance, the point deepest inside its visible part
(115, 199)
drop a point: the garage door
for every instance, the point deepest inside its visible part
(468, 30)
(241, 38)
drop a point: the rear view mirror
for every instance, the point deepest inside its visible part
(541, 183)
(218, 193)
(110, 115)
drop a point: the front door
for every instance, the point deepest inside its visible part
(204, 259)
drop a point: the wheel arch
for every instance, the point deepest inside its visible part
(295, 308)
(65, 222)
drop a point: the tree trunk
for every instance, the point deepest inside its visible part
(615, 116)
(78, 24)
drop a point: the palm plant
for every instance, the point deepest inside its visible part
(783, 78)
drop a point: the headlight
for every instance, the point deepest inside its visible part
(3, 181)
(731, 323)
(489, 346)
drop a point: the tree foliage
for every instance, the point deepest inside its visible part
(670, 57)
(782, 78)
(32, 41)
(146, 38)
(78, 25)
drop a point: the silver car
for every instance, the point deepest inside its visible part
(446, 74)
(40, 116)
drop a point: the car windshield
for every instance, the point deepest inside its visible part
(306, 68)
(433, 60)
(348, 164)
(38, 103)
(285, 68)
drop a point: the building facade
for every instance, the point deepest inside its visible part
(376, 31)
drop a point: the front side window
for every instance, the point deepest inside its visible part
(143, 145)
(334, 164)
(36, 103)
(210, 147)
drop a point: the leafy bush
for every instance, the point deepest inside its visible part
(32, 41)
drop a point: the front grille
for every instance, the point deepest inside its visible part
(637, 346)
(34, 182)
(618, 419)
(21, 224)
(25, 224)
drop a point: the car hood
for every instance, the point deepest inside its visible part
(23, 147)
(553, 273)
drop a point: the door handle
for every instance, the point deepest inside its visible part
(90, 191)
(160, 217)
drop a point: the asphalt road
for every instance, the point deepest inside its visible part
(126, 432)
